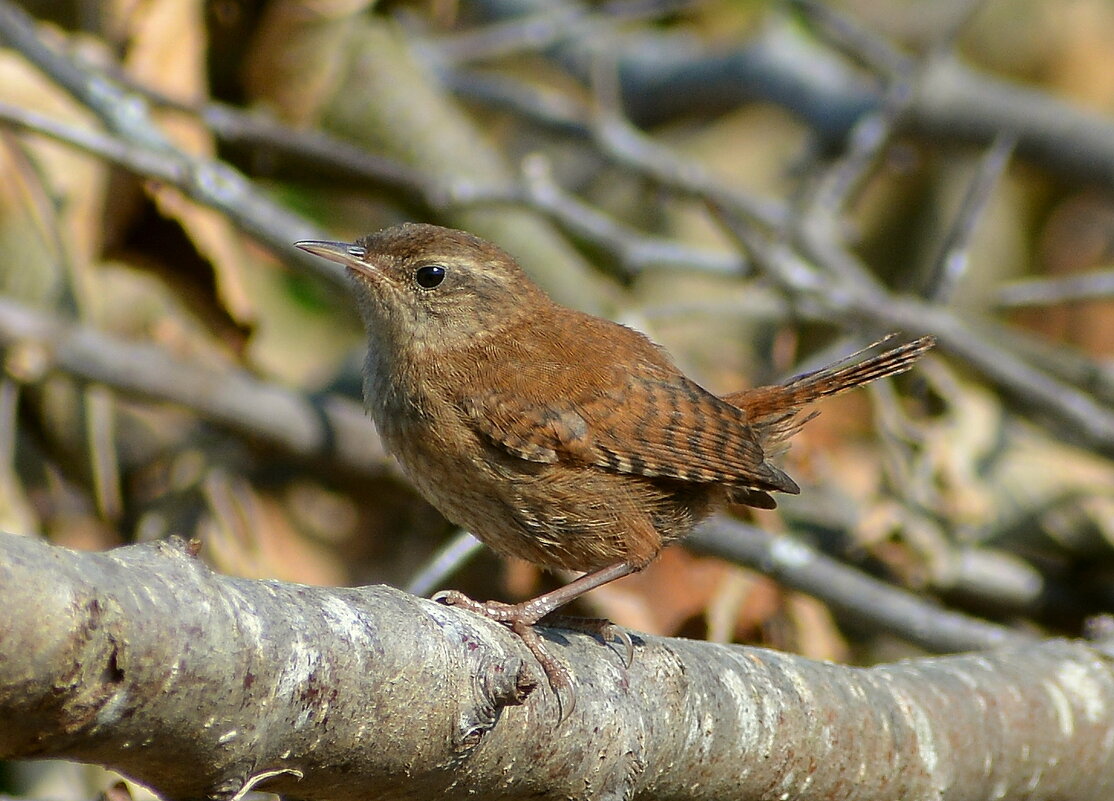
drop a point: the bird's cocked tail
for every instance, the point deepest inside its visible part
(775, 408)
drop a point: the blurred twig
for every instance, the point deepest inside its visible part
(854, 40)
(1093, 285)
(982, 343)
(99, 420)
(554, 23)
(953, 259)
(322, 156)
(850, 592)
(446, 561)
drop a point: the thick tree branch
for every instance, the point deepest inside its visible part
(197, 684)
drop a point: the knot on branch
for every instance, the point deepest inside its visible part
(498, 683)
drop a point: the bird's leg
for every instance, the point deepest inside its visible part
(521, 617)
(530, 612)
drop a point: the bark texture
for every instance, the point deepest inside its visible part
(196, 684)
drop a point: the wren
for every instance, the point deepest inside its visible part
(552, 435)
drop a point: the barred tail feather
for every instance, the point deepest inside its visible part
(773, 410)
(845, 374)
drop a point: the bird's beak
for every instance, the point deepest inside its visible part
(350, 255)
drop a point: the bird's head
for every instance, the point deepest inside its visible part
(425, 287)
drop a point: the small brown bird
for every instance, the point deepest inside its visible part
(555, 436)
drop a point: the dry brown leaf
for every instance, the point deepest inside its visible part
(1080, 66)
(297, 56)
(55, 199)
(249, 534)
(167, 52)
(818, 636)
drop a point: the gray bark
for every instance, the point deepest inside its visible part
(196, 684)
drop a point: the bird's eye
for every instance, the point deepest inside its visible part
(430, 275)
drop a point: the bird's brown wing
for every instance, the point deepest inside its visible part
(643, 421)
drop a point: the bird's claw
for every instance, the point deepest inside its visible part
(555, 671)
(521, 622)
(457, 598)
(602, 628)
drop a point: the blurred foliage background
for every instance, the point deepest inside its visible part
(156, 334)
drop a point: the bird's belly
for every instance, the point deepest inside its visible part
(555, 515)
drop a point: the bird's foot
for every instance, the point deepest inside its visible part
(520, 618)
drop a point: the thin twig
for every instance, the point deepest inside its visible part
(982, 343)
(1092, 285)
(855, 40)
(954, 257)
(557, 22)
(448, 559)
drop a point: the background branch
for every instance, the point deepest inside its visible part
(323, 428)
